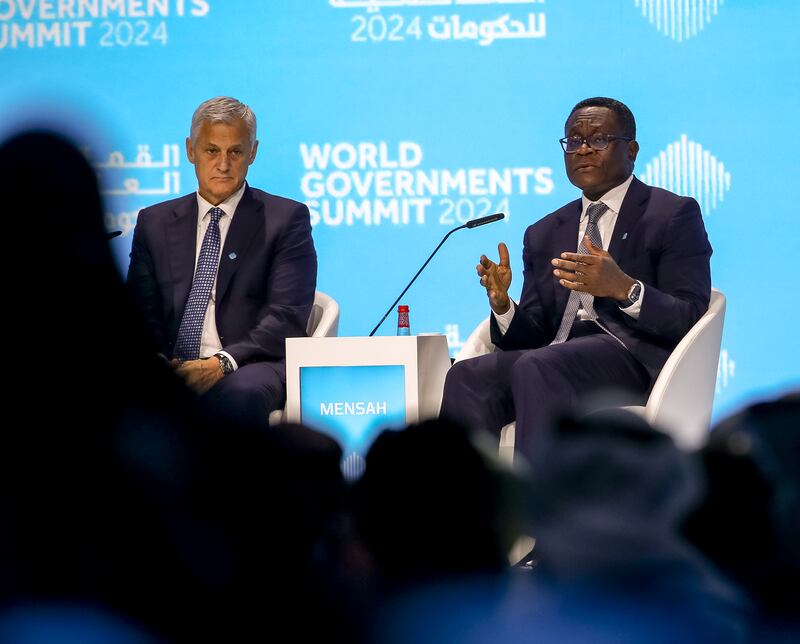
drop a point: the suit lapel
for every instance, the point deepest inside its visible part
(565, 239)
(247, 222)
(181, 233)
(633, 207)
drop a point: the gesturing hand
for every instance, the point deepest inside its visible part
(496, 278)
(596, 273)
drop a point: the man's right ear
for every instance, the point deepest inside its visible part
(190, 150)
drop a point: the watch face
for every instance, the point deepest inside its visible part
(224, 363)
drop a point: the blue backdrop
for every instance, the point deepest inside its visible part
(396, 120)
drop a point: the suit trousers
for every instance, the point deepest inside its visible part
(590, 371)
(250, 393)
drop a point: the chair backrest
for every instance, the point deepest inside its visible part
(683, 393)
(323, 322)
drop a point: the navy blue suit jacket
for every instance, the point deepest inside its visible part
(659, 239)
(265, 282)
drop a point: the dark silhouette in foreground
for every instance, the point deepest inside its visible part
(119, 493)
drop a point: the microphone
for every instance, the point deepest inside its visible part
(474, 223)
(113, 233)
(482, 221)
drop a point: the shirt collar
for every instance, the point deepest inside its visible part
(228, 206)
(613, 198)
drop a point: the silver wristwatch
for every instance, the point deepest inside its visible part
(224, 363)
(634, 293)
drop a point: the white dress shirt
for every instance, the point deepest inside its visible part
(209, 341)
(613, 199)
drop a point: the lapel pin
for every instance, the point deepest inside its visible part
(625, 236)
(233, 255)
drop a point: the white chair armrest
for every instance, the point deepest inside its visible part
(478, 343)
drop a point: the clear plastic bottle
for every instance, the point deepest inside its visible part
(403, 325)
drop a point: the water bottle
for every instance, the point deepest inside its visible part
(403, 326)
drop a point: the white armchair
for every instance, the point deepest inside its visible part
(323, 322)
(683, 394)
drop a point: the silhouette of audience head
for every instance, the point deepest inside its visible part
(606, 489)
(749, 521)
(607, 500)
(432, 505)
(53, 192)
(64, 293)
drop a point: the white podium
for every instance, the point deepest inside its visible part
(354, 388)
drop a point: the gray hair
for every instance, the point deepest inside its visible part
(223, 109)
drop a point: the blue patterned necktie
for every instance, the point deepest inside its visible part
(578, 298)
(187, 346)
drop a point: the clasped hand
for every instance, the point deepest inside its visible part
(199, 375)
(596, 273)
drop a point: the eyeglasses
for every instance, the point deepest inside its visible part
(572, 144)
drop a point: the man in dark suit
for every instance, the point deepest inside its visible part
(226, 274)
(604, 317)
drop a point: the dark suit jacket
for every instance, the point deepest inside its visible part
(659, 239)
(265, 282)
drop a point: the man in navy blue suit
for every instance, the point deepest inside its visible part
(605, 317)
(226, 274)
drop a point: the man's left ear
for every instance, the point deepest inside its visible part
(253, 152)
(633, 150)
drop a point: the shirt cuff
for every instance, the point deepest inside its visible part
(636, 308)
(230, 357)
(504, 320)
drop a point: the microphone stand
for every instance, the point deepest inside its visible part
(469, 224)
